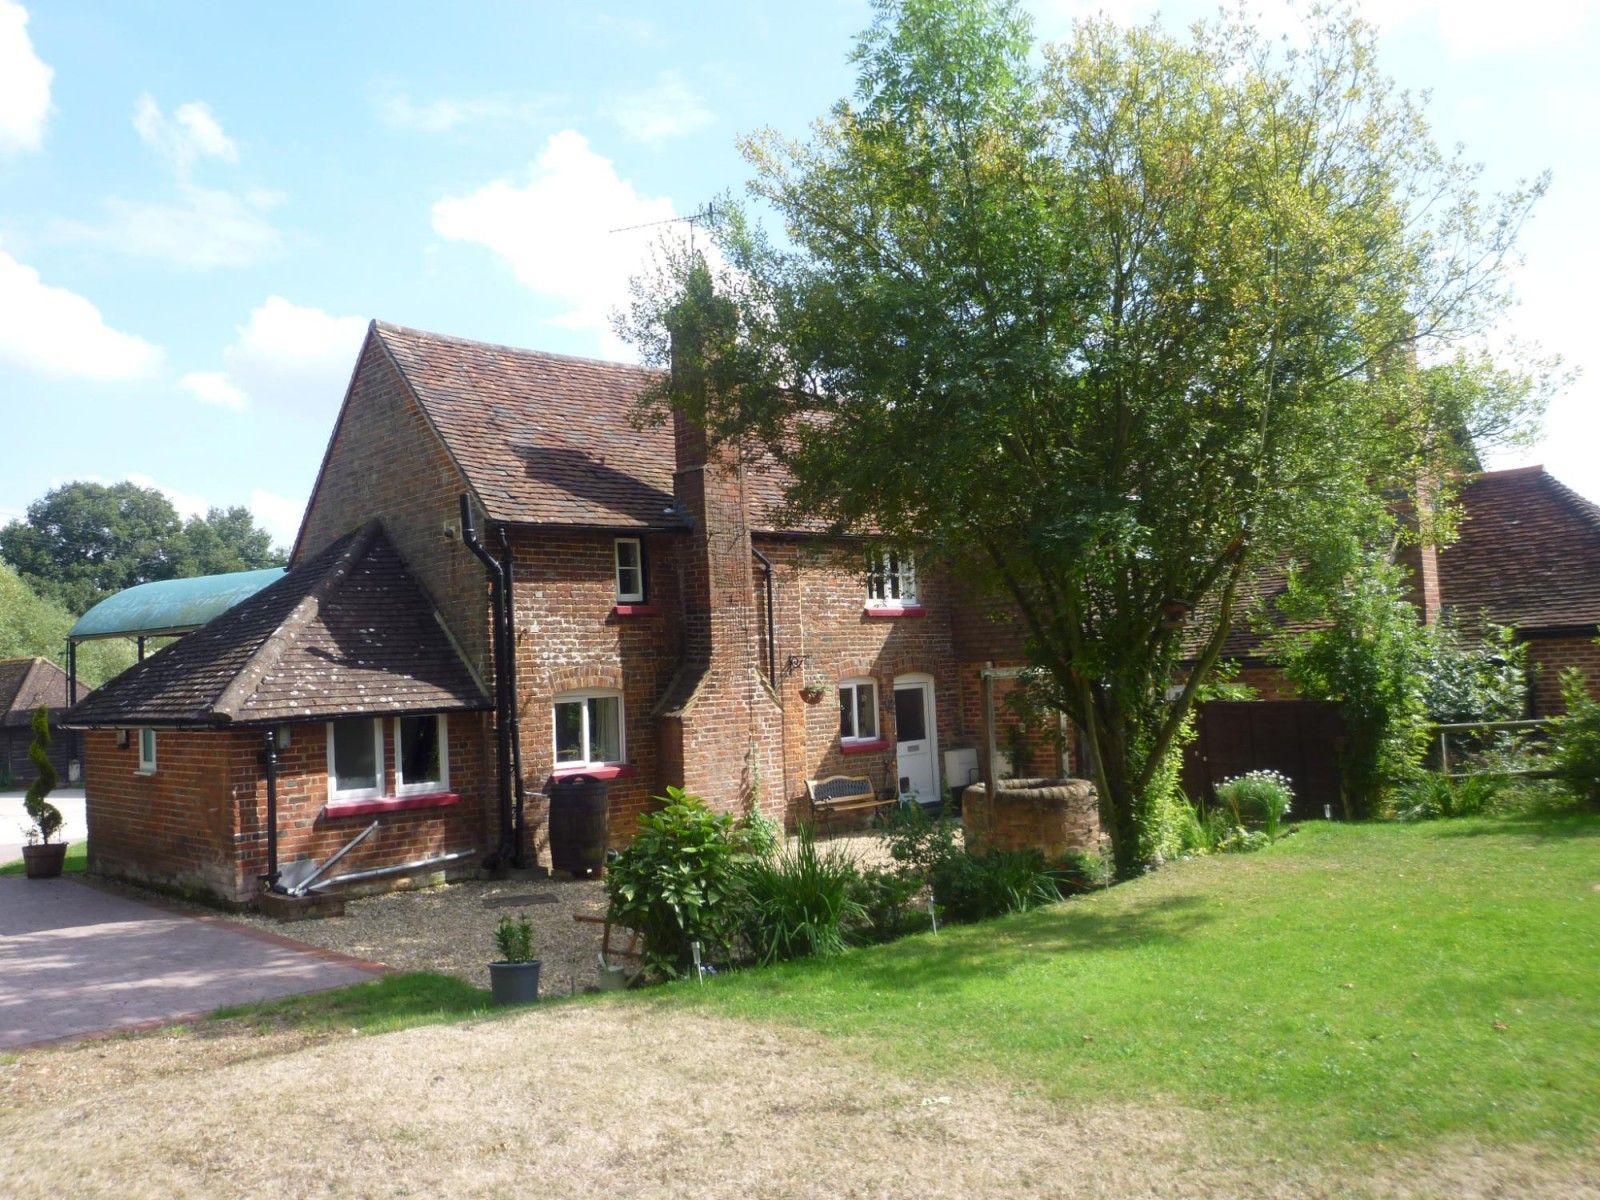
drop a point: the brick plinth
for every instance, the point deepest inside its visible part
(1057, 817)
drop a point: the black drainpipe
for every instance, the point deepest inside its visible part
(271, 739)
(772, 651)
(513, 724)
(502, 708)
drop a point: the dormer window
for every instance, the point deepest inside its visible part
(891, 580)
(630, 571)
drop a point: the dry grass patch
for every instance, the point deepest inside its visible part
(613, 1099)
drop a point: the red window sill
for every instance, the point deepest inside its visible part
(635, 610)
(896, 610)
(863, 747)
(388, 804)
(609, 771)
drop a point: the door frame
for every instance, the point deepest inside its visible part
(930, 709)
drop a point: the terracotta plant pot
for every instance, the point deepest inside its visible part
(44, 862)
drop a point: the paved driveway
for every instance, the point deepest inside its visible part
(75, 960)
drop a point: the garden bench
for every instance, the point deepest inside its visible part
(843, 793)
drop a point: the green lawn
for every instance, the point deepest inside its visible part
(391, 1002)
(77, 861)
(1352, 986)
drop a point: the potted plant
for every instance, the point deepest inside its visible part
(515, 978)
(42, 858)
(812, 693)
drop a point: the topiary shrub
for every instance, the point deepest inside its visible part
(46, 817)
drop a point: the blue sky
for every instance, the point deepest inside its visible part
(201, 205)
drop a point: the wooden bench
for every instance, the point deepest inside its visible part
(843, 793)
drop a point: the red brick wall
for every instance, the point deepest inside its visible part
(384, 461)
(174, 827)
(1548, 658)
(569, 636)
(198, 822)
(820, 596)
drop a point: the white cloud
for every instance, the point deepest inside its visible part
(191, 133)
(286, 356)
(555, 231)
(57, 332)
(188, 504)
(398, 110)
(24, 83)
(278, 515)
(214, 387)
(204, 227)
(667, 110)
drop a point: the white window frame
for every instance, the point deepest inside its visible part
(855, 736)
(147, 763)
(583, 696)
(371, 793)
(426, 786)
(623, 597)
(892, 571)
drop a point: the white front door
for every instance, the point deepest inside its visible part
(916, 740)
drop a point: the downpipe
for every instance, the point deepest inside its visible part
(506, 852)
(513, 721)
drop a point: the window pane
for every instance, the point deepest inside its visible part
(910, 715)
(866, 710)
(569, 731)
(847, 711)
(418, 751)
(630, 569)
(605, 729)
(147, 747)
(892, 571)
(908, 580)
(355, 760)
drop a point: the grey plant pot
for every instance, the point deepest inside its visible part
(514, 982)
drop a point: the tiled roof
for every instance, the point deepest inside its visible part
(347, 632)
(1528, 553)
(25, 684)
(545, 439)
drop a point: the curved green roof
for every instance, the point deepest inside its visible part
(170, 605)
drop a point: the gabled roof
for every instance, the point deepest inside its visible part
(25, 684)
(1528, 553)
(546, 439)
(348, 632)
(169, 606)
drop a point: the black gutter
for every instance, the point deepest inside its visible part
(506, 852)
(514, 723)
(271, 740)
(772, 645)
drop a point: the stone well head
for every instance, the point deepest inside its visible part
(1057, 817)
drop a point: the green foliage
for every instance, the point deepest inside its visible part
(1356, 639)
(798, 903)
(514, 939)
(83, 541)
(1257, 798)
(1087, 323)
(1473, 677)
(677, 882)
(917, 842)
(34, 627)
(1432, 796)
(46, 817)
(1082, 871)
(977, 887)
(397, 1001)
(1575, 740)
(887, 900)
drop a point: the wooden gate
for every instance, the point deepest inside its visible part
(1299, 738)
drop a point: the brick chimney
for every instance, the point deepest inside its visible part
(720, 726)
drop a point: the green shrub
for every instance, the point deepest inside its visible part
(1257, 798)
(677, 883)
(975, 887)
(1082, 872)
(798, 903)
(1575, 741)
(514, 939)
(1432, 796)
(888, 904)
(46, 817)
(918, 843)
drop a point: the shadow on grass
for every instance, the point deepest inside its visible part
(392, 1002)
(1552, 822)
(960, 955)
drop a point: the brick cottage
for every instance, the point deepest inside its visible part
(663, 631)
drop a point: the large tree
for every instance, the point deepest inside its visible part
(81, 542)
(1109, 332)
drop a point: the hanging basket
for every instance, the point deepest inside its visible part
(813, 693)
